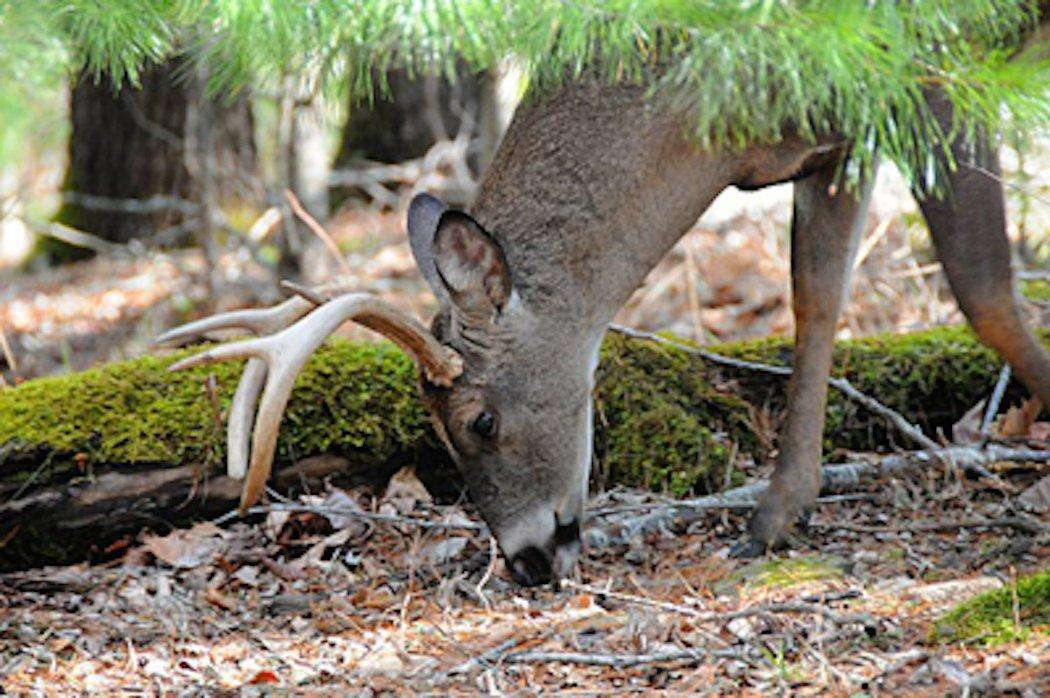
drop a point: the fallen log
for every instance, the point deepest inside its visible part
(87, 459)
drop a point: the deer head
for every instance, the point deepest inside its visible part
(511, 404)
(517, 421)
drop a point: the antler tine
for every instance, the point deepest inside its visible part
(242, 416)
(256, 320)
(259, 321)
(277, 359)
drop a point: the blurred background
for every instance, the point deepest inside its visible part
(126, 211)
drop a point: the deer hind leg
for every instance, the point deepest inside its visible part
(968, 226)
(824, 232)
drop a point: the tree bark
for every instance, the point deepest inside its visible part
(88, 458)
(134, 167)
(417, 112)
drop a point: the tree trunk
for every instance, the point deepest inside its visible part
(89, 457)
(135, 167)
(417, 112)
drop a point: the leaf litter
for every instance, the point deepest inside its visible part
(348, 592)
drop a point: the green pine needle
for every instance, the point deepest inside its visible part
(746, 69)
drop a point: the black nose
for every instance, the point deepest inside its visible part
(531, 566)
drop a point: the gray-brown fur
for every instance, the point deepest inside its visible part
(590, 188)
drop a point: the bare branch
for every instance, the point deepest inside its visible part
(841, 384)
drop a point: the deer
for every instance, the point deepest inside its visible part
(590, 187)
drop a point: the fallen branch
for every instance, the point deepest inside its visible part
(619, 661)
(994, 401)
(725, 616)
(841, 384)
(1015, 522)
(835, 477)
(356, 514)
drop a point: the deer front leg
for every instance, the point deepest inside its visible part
(824, 233)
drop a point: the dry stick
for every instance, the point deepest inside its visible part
(618, 661)
(74, 237)
(1016, 522)
(791, 607)
(838, 476)
(319, 231)
(994, 401)
(356, 514)
(843, 385)
(9, 356)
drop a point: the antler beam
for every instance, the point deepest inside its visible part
(274, 361)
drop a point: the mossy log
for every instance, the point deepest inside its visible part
(88, 458)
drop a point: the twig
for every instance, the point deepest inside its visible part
(490, 656)
(356, 513)
(618, 661)
(841, 384)
(834, 477)
(74, 237)
(318, 230)
(632, 598)
(803, 607)
(723, 616)
(9, 356)
(153, 204)
(1016, 522)
(994, 401)
(493, 558)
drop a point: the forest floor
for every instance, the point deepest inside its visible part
(345, 591)
(309, 599)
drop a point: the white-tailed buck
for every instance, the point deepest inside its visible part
(591, 186)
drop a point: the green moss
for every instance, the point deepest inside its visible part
(350, 398)
(762, 574)
(932, 376)
(665, 419)
(989, 618)
(661, 423)
(1036, 290)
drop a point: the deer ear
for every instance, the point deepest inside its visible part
(470, 264)
(423, 215)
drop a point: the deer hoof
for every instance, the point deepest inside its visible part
(747, 548)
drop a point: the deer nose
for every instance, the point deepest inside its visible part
(531, 567)
(534, 565)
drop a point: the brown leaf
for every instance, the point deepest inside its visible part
(1038, 496)
(186, 548)
(1019, 420)
(264, 676)
(220, 599)
(288, 573)
(405, 491)
(968, 429)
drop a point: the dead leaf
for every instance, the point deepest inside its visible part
(1018, 421)
(264, 676)
(186, 548)
(443, 550)
(288, 573)
(1038, 496)
(220, 599)
(968, 429)
(332, 506)
(404, 491)
(317, 551)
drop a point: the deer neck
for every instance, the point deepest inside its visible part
(589, 190)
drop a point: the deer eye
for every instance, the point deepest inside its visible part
(484, 425)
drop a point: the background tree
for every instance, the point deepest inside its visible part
(149, 158)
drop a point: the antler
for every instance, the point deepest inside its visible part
(275, 361)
